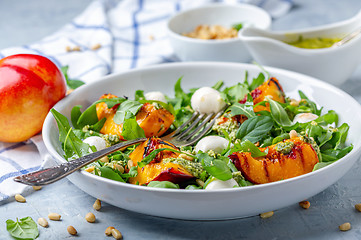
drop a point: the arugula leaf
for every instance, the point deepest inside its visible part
(235, 93)
(237, 26)
(163, 184)
(279, 114)
(108, 172)
(328, 118)
(280, 138)
(154, 153)
(342, 134)
(310, 103)
(247, 146)
(131, 129)
(255, 128)
(98, 126)
(335, 154)
(325, 136)
(218, 85)
(257, 81)
(182, 115)
(72, 83)
(88, 117)
(321, 165)
(193, 187)
(71, 143)
(111, 102)
(26, 228)
(127, 109)
(242, 109)
(328, 137)
(139, 95)
(74, 116)
(133, 172)
(215, 167)
(314, 130)
(181, 99)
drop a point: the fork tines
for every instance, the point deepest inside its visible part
(193, 129)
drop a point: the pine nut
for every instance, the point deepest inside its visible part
(54, 216)
(293, 134)
(97, 205)
(108, 231)
(186, 157)
(90, 169)
(69, 91)
(76, 48)
(305, 204)
(116, 234)
(37, 188)
(120, 168)
(43, 222)
(68, 48)
(104, 159)
(199, 182)
(72, 230)
(90, 217)
(20, 198)
(266, 214)
(345, 227)
(294, 102)
(130, 164)
(96, 46)
(358, 207)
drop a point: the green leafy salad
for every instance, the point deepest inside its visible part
(263, 136)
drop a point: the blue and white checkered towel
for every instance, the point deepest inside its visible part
(128, 34)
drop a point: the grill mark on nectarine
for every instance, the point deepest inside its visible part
(276, 83)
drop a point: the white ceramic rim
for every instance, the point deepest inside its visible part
(308, 30)
(216, 5)
(307, 79)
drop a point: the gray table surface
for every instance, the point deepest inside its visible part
(24, 22)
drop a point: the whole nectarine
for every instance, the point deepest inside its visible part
(29, 87)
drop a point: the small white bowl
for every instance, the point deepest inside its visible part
(233, 50)
(334, 65)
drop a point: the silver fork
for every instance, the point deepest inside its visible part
(196, 127)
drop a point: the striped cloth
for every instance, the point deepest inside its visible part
(127, 34)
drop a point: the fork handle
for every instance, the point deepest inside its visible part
(50, 175)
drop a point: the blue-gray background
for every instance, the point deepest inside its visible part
(26, 21)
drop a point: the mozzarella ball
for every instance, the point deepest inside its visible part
(304, 117)
(219, 184)
(207, 100)
(98, 142)
(156, 96)
(215, 143)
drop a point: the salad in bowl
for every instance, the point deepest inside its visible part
(263, 136)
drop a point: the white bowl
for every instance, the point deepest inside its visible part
(212, 204)
(334, 65)
(191, 49)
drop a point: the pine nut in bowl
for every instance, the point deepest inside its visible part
(333, 64)
(226, 16)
